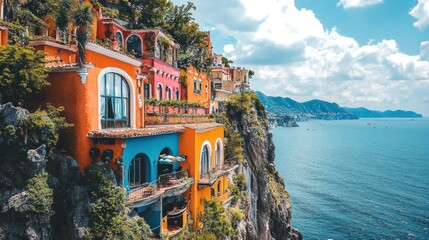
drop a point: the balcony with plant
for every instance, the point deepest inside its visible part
(169, 184)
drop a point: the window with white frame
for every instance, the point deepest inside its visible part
(205, 161)
(115, 101)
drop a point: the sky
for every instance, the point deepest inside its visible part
(357, 53)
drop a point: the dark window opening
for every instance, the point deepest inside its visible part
(134, 46)
(137, 172)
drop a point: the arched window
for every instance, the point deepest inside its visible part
(134, 45)
(115, 101)
(218, 154)
(159, 89)
(118, 37)
(168, 93)
(218, 188)
(205, 161)
(137, 171)
(177, 94)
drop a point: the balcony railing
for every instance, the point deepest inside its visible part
(209, 179)
(160, 57)
(165, 119)
(169, 184)
(223, 197)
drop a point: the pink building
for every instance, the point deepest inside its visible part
(155, 49)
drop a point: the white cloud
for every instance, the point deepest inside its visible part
(294, 56)
(424, 50)
(228, 48)
(421, 12)
(358, 3)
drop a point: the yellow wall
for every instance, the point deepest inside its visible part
(190, 144)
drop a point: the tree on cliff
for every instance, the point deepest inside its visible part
(22, 73)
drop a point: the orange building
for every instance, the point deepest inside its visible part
(3, 29)
(203, 146)
(197, 86)
(166, 170)
(3, 35)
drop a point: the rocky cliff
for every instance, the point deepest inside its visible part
(270, 211)
(43, 195)
(32, 199)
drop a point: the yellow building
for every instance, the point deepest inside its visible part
(202, 144)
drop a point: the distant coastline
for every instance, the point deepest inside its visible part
(362, 112)
(286, 112)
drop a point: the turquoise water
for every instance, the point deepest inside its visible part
(357, 179)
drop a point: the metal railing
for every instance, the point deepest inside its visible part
(171, 179)
(146, 190)
(177, 119)
(218, 171)
(225, 194)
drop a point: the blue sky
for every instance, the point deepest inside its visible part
(370, 53)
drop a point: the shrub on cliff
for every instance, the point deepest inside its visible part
(46, 124)
(40, 194)
(215, 220)
(22, 73)
(239, 190)
(233, 142)
(107, 215)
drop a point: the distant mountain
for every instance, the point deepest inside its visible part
(366, 113)
(314, 109)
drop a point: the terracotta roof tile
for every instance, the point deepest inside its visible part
(135, 132)
(151, 130)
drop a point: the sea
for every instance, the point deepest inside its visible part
(357, 179)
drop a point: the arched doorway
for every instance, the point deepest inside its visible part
(163, 166)
(139, 170)
(134, 46)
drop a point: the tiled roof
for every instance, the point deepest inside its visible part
(151, 130)
(202, 127)
(135, 132)
(67, 65)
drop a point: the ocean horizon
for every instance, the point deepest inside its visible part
(357, 179)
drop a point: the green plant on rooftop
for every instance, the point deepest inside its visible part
(63, 18)
(177, 21)
(226, 62)
(82, 19)
(23, 73)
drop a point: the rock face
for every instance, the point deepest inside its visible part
(281, 121)
(24, 155)
(270, 212)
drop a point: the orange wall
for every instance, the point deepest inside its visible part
(3, 35)
(203, 97)
(52, 53)
(82, 106)
(190, 144)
